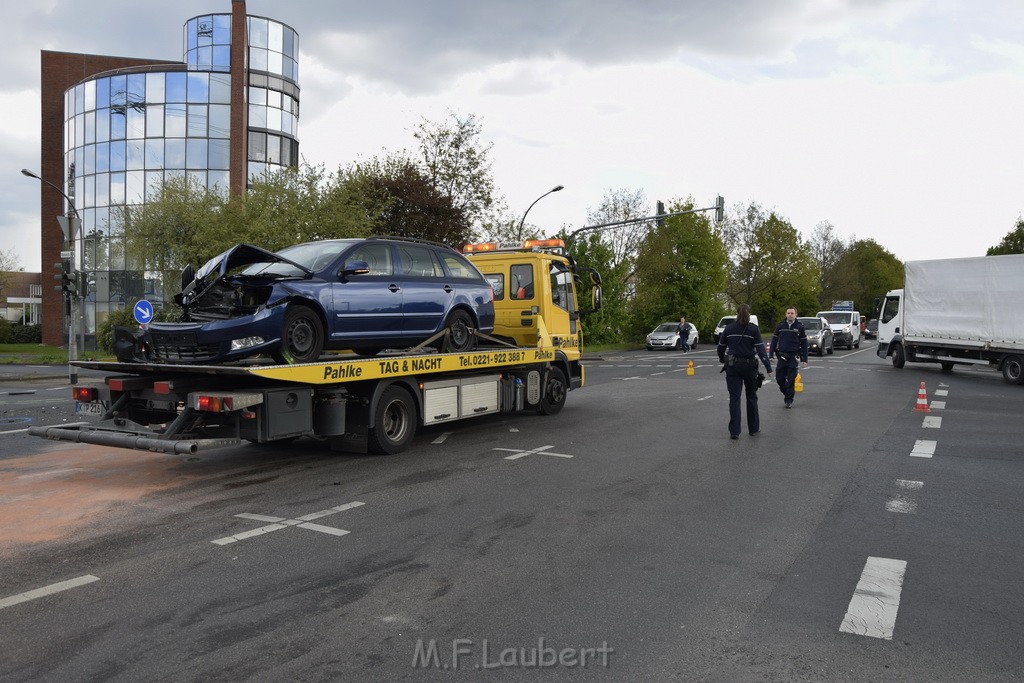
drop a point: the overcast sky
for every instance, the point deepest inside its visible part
(895, 120)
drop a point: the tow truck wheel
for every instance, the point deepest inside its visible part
(555, 390)
(394, 422)
(459, 338)
(302, 339)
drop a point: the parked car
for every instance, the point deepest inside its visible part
(871, 331)
(359, 294)
(666, 336)
(820, 339)
(726, 319)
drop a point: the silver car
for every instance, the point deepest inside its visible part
(666, 336)
(819, 336)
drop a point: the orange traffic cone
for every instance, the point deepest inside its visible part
(689, 368)
(922, 400)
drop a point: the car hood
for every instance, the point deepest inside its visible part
(216, 268)
(662, 335)
(242, 255)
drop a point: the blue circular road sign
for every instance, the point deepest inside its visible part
(144, 312)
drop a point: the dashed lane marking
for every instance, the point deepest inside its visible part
(876, 601)
(908, 485)
(923, 448)
(47, 590)
(941, 392)
(442, 438)
(657, 373)
(303, 522)
(937, 405)
(932, 422)
(903, 504)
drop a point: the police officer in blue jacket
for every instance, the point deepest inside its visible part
(789, 344)
(739, 347)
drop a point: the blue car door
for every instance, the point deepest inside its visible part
(368, 306)
(428, 292)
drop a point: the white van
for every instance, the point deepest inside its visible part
(726, 319)
(845, 327)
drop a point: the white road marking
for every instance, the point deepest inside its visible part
(901, 504)
(47, 590)
(57, 389)
(704, 398)
(520, 453)
(302, 522)
(513, 430)
(937, 405)
(657, 373)
(909, 485)
(932, 422)
(442, 438)
(941, 392)
(627, 379)
(875, 602)
(923, 449)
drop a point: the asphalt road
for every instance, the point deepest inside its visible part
(853, 539)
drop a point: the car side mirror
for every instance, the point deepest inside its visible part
(355, 268)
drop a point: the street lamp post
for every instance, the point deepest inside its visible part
(556, 188)
(68, 226)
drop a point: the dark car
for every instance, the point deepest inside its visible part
(871, 330)
(819, 335)
(360, 294)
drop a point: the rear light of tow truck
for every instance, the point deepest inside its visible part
(84, 394)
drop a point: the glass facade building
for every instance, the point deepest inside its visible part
(128, 130)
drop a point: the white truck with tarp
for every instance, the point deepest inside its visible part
(961, 311)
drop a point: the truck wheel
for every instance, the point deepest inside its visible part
(899, 358)
(394, 422)
(947, 367)
(302, 339)
(1013, 370)
(555, 390)
(857, 345)
(459, 338)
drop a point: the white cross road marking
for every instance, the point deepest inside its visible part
(923, 449)
(932, 422)
(937, 405)
(901, 504)
(909, 485)
(47, 590)
(875, 602)
(302, 522)
(520, 453)
(941, 392)
(442, 438)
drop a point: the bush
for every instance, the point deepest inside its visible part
(16, 333)
(125, 317)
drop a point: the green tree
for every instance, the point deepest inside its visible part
(8, 264)
(826, 250)
(770, 267)
(1013, 242)
(680, 270)
(458, 166)
(608, 324)
(867, 271)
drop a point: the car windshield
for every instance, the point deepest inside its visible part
(313, 255)
(667, 327)
(836, 317)
(726, 320)
(811, 323)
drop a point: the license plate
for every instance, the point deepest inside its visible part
(89, 408)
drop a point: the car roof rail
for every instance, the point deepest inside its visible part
(402, 238)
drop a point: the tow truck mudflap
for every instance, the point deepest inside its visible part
(81, 433)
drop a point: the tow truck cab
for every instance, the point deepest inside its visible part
(536, 293)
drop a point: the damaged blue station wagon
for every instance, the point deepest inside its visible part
(360, 294)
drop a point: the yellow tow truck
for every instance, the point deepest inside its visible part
(530, 362)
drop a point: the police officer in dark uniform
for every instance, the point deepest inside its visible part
(789, 343)
(739, 347)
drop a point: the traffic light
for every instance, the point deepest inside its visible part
(69, 284)
(720, 209)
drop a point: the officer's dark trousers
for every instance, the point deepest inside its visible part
(739, 378)
(785, 374)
